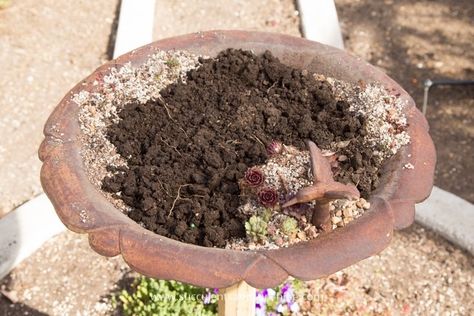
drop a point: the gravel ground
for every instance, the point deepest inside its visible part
(418, 274)
(46, 47)
(63, 278)
(174, 17)
(416, 40)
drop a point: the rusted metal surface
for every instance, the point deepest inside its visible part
(84, 209)
(323, 190)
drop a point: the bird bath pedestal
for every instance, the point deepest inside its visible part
(83, 209)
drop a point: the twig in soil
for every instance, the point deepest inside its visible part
(272, 86)
(167, 111)
(258, 140)
(233, 142)
(175, 149)
(165, 105)
(163, 187)
(178, 197)
(182, 129)
(227, 149)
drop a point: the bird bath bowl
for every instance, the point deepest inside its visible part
(83, 209)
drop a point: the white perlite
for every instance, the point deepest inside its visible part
(288, 171)
(383, 112)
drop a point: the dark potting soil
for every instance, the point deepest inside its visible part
(186, 152)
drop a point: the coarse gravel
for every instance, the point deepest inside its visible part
(63, 278)
(417, 40)
(418, 274)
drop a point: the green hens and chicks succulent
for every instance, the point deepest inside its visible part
(256, 228)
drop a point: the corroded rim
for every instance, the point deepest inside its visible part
(84, 209)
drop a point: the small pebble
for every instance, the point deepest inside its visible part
(279, 241)
(347, 212)
(301, 235)
(343, 144)
(312, 232)
(336, 220)
(342, 158)
(347, 220)
(339, 213)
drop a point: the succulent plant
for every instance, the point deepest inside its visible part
(265, 213)
(274, 148)
(289, 226)
(254, 177)
(256, 228)
(268, 197)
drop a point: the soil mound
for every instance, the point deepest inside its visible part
(186, 152)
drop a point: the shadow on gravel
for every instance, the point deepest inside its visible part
(413, 41)
(10, 239)
(125, 283)
(113, 33)
(8, 304)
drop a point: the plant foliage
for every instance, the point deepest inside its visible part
(152, 297)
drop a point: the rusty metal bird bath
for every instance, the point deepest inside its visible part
(83, 209)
